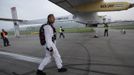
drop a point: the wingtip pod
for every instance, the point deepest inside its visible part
(131, 5)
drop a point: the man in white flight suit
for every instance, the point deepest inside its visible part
(50, 47)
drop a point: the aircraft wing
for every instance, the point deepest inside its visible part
(36, 21)
(69, 4)
(20, 21)
(8, 19)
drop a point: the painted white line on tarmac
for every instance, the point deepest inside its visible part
(21, 57)
(31, 58)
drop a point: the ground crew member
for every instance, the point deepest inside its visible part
(96, 33)
(50, 47)
(61, 32)
(5, 38)
(123, 31)
(106, 29)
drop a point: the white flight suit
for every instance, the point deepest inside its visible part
(50, 44)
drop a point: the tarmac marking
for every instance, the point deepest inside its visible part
(31, 58)
(21, 57)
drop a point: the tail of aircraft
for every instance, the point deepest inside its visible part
(16, 25)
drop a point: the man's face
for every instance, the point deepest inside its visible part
(51, 19)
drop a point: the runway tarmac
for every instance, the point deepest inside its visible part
(81, 54)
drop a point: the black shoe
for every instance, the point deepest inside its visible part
(8, 45)
(95, 36)
(39, 72)
(62, 70)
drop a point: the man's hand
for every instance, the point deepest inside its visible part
(51, 49)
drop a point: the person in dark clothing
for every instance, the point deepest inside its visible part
(5, 38)
(61, 32)
(106, 29)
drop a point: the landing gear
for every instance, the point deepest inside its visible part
(91, 25)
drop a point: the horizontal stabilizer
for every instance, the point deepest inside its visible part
(8, 19)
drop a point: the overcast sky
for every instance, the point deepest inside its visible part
(37, 9)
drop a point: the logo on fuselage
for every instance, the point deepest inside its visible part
(107, 6)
